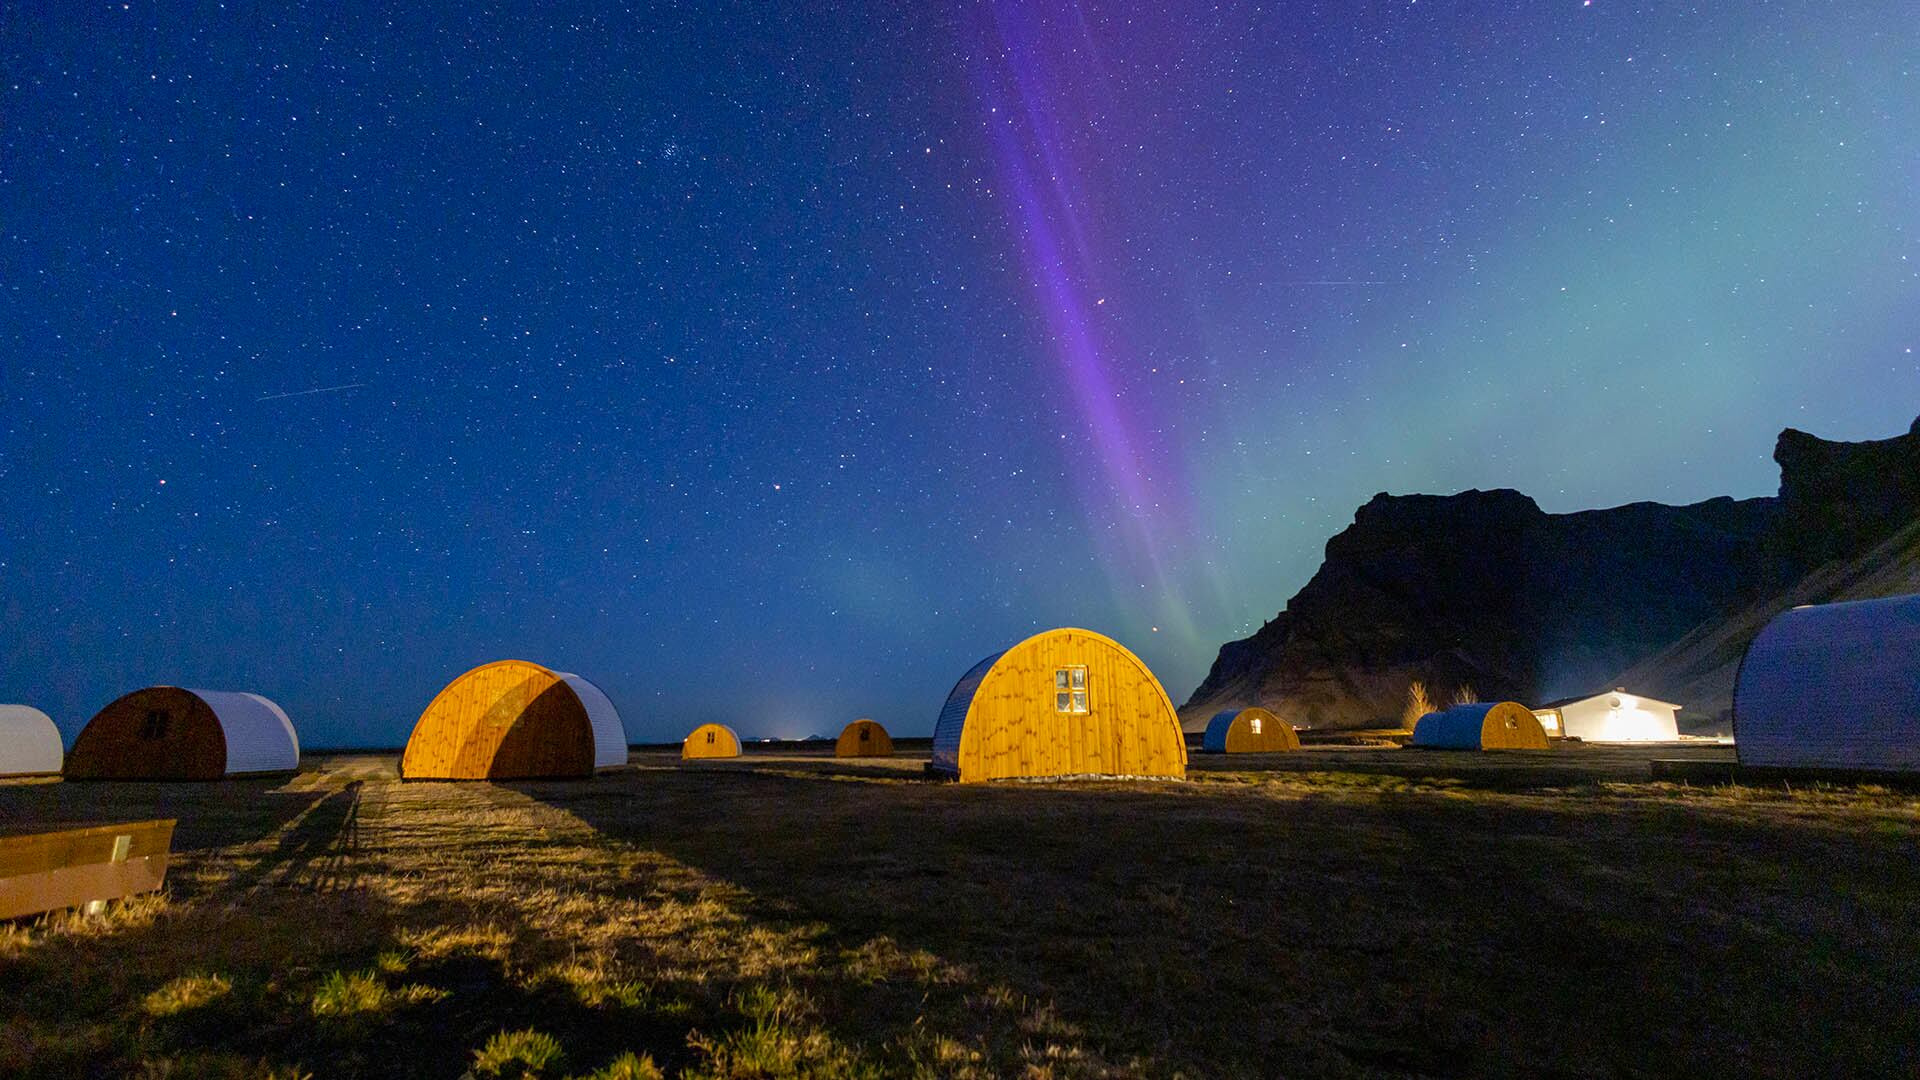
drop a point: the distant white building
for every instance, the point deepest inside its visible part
(1615, 716)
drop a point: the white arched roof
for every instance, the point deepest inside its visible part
(260, 738)
(29, 743)
(1833, 686)
(609, 734)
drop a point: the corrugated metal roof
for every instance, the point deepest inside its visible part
(953, 716)
(609, 734)
(1457, 728)
(1215, 740)
(259, 736)
(29, 742)
(1833, 686)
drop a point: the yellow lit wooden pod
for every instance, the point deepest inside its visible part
(507, 720)
(1062, 703)
(1500, 725)
(711, 741)
(863, 738)
(1248, 731)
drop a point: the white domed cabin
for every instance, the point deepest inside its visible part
(1833, 686)
(1248, 731)
(1063, 703)
(515, 720)
(29, 742)
(1503, 725)
(167, 733)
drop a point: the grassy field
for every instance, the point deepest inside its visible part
(1328, 913)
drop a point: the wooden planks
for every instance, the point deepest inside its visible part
(50, 871)
(1512, 726)
(863, 738)
(710, 741)
(501, 721)
(1014, 727)
(1256, 730)
(159, 733)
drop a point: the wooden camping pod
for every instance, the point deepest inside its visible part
(1251, 730)
(710, 741)
(1503, 725)
(514, 720)
(1062, 703)
(863, 738)
(170, 733)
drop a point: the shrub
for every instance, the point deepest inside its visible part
(1418, 704)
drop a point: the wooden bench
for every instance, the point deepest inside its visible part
(82, 867)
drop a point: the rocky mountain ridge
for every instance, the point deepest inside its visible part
(1485, 589)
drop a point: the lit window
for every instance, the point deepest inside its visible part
(1254, 722)
(1070, 689)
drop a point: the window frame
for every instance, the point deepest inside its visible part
(1071, 682)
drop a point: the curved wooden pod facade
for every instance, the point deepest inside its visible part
(170, 733)
(514, 720)
(29, 742)
(863, 738)
(1503, 725)
(710, 741)
(1062, 703)
(1833, 686)
(1252, 730)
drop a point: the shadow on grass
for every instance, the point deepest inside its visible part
(1284, 926)
(403, 967)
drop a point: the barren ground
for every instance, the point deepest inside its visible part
(1333, 912)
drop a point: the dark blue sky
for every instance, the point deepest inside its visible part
(772, 367)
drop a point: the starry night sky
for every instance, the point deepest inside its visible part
(773, 368)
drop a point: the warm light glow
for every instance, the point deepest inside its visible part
(1629, 721)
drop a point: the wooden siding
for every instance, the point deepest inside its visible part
(1231, 732)
(1512, 726)
(711, 741)
(1013, 729)
(863, 738)
(507, 720)
(50, 871)
(120, 743)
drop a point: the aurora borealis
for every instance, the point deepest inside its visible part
(773, 367)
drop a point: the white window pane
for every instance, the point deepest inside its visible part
(1079, 678)
(1060, 679)
(1255, 721)
(1080, 701)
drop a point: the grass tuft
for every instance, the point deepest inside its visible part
(355, 993)
(185, 993)
(517, 1053)
(628, 1066)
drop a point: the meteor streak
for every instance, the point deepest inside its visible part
(319, 390)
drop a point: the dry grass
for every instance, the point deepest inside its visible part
(1332, 912)
(1418, 704)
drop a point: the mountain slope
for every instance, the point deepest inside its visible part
(1485, 589)
(1698, 670)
